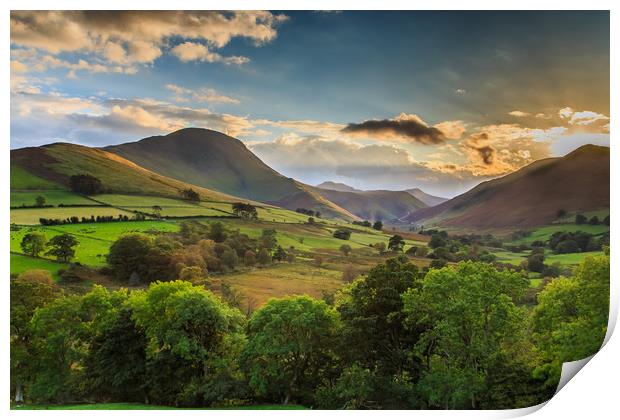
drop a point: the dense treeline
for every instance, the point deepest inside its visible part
(72, 220)
(455, 337)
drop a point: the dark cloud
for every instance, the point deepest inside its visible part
(487, 154)
(411, 128)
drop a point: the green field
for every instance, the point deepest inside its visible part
(53, 198)
(24, 180)
(544, 233)
(566, 259)
(94, 238)
(32, 216)
(136, 406)
(20, 263)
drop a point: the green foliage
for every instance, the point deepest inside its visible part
(289, 348)
(85, 184)
(33, 243)
(190, 195)
(378, 225)
(396, 243)
(131, 254)
(468, 315)
(62, 247)
(371, 312)
(570, 320)
(345, 249)
(192, 337)
(280, 254)
(245, 210)
(343, 234)
(264, 257)
(580, 219)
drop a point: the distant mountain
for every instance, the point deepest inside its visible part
(56, 162)
(429, 200)
(375, 205)
(337, 186)
(216, 161)
(531, 196)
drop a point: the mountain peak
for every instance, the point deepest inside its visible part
(337, 186)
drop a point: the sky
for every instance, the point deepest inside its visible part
(378, 100)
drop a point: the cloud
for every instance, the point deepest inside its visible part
(519, 114)
(408, 127)
(460, 91)
(191, 51)
(202, 94)
(453, 130)
(127, 38)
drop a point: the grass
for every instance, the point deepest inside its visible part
(54, 198)
(571, 259)
(137, 406)
(284, 279)
(20, 263)
(544, 233)
(31, 216)
(21, 179)
(94, 238)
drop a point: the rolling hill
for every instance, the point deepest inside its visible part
(49, 167)
(429, 200)
(375, 204)
(531, 196)
(337, 186)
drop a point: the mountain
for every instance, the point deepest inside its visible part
(219, 162)
(531, 196)
(374, 205)
(55, 163)
(429, 200)
(336, 186)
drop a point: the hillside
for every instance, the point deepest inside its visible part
(216, 161)
(375, 205)
(429, 200)
(50, 166)
(337, 186)
(531, 196)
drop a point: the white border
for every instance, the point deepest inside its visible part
(592, 393)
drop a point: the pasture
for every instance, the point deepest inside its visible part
(32, 216)
(54, 198)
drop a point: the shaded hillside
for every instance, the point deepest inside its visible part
(530, 196)
(216, 161)
(56, 162)
(429, 200)
(336, 186)
(375, 205)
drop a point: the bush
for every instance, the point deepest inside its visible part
(343, 234)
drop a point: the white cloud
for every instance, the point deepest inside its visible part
(191, 51)
(202, 94)
(519, 114)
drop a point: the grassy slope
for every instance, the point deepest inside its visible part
(52, 197)
(21, 263)
(58, 161)
(531, 196)
(21, 179)
(545, 232)
(31, 216)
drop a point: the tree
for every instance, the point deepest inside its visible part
(193, 339)
(245, 210)
(567, 247)
(536, 262)
(606, 220)
(469, 322)
(190, 195)
(374, 334)
(157, 211)
(561, 213)
(30, 290)
(33, 243)
(249, 258)
(131, 254)
(343, 234)
(217, 232)
(378, 225)
(85, 184)
(279, 254)
(421, 251)
(62, 247)
(268, 239)
(40, 201)
(345, 249)
(437, 241)
(290, 344)
(62, 332)
(396, 243)
(230, 258)
(580, 219)
(192, 273)
(594, 220)
(380, 247)
(570, 320)
(264, 257)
